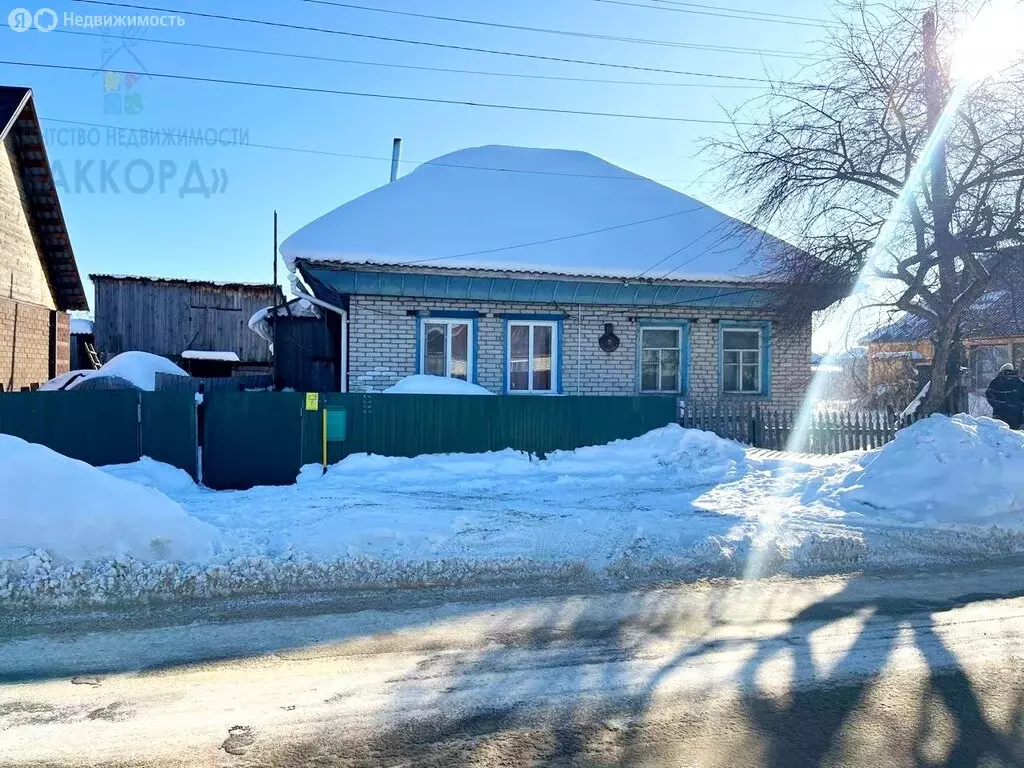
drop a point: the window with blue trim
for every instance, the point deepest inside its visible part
(532, 356)
(447, 347)
(660, 358)
(742, 361)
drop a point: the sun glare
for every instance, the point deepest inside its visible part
(991, 42)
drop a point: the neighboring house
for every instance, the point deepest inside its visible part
(39, 280)
(200, 325)
(540, 272)
(993, 330)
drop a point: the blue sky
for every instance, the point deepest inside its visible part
(227, 235)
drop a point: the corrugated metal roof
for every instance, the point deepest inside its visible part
(183, 281)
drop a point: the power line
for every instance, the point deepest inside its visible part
(386, 96)
(562, 32)
(446, 46)
(745, 15)
(552, 239)
(310, 57)
(388, 159)
(743, 11)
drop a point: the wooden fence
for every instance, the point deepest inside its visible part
(775, 428)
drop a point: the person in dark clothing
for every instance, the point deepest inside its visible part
(1006, 396)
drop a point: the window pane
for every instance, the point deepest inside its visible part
(750, 358)
(731, 378)
(649, 376)
(542, 336)
(460, 352)
(658, 339)
(741, 340)
(670, 370)
(732, 358)
(1018, 356)
(519, 342)
(519, 358)
(436, 351)
(750, 378)
(649, 356)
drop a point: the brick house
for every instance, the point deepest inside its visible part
(39, 280)
(550, 272)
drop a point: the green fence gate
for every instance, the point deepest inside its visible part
(106, 426)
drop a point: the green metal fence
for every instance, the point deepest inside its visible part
(106, 426)
(263, 438)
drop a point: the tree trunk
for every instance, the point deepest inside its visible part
(945, 337)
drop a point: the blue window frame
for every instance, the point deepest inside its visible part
(446, 345)
(533, 359)
(663, 351)
(744, 358)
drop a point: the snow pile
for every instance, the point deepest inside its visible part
(948, 470)
(64, 381)
(137, 368)
(77, 513)
(672, 504)
(423, 384)
(533, 210)
(167, 479)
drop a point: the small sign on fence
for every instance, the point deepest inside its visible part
(312, 401)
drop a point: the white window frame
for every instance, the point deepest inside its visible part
(531, 324)
(740, 364)
(448, 322)
(679, 367)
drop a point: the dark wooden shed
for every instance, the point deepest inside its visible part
(171, 316)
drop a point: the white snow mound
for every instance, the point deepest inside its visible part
(166, 478)
(138, 368)
(962, 469)
(423, 384)
(76, 512)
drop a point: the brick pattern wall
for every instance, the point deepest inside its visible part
(22, 276)
(35, 341)
(25, 344)
(382, 345)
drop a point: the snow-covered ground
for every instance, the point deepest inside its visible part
(672, 504)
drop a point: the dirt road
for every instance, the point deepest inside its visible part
(883, 672)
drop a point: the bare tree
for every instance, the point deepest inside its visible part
(831, 164)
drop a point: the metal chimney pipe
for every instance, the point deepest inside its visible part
(396, 156)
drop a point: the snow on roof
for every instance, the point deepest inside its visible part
(535, 210)
(196, 354)
(137, 368)
(82, 326)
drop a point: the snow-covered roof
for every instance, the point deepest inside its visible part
(82, 326)
(138, 369)
(535, 210)
(197, 354)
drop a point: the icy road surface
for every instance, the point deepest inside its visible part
(831, 671)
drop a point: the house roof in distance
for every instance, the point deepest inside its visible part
(20, 123)
(997, 314)
(540, 211)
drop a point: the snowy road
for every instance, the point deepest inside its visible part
(865, 671)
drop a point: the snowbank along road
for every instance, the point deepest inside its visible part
(674, 504)
(831, 671)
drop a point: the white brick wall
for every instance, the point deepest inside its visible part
(382, 345)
